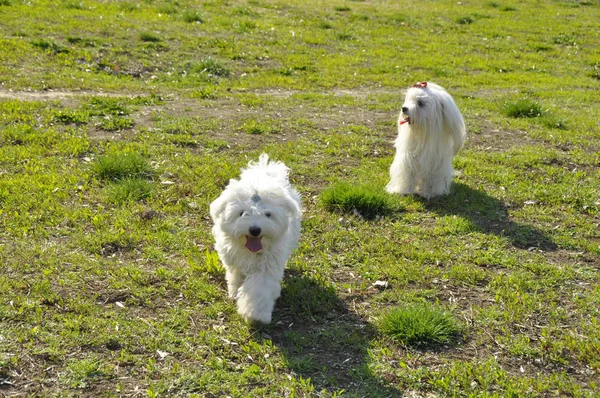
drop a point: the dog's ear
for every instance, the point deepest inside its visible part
(292, 203)
(454, 124)
(217, 207)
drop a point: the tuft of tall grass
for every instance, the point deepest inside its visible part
(421, 325)
(115, 123)
(595, 73)
(555, 122)
(211, 67)
(522, 108)
(465, 20)
(130, 189)
(565, 40)
(71, 116)
(49, 46)
(193, 17)
(256, 127)
(118, 166)
(367, 201)
(71, 5)
(102, 106)
(149, 37)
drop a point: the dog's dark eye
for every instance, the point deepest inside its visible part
(420, 103)
(268, 214)
(242, 213)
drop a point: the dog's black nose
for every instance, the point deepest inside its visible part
(254, 231)
(404, 110)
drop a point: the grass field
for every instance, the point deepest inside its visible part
(120, 121)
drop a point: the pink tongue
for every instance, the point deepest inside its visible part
(407, 120)
(253, 244)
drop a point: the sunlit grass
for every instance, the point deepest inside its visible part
(367, 201)
(117, 166)
(421, 325)
(523, 108)
(120, 122)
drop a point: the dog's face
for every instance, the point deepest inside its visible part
(251, 219)
(421, 105)
(430, 112)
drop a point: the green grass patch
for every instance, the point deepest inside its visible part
(523, 108)
(193, 17)
(115, 123)
(465, 20)
(68, 117)
(307, 298)
(130, 189)
(50, 46)
(118, 166)
(104, 106)
(110, 283)
(150, 37)
(595, 73)
(71, 5)
(554, 122)
(364, 200)
(211, 67)
(256, 127)
(565, 39)
(82, 372)
(344, 36)
(421, 325)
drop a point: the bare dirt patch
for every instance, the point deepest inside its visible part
(54, 95)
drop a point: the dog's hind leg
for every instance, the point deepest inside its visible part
(436, 185)
(257, 296)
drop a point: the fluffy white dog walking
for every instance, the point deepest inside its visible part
(256, 227)
(431, 130)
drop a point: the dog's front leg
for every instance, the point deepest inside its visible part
(234, 280)
(402, 176)
(257, 295)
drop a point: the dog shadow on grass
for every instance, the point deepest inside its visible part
(489, 215)
(322, 340)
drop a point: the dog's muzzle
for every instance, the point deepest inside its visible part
(406, 117)
(253, 241)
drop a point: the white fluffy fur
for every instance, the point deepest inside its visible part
(426, 144)
(254, 278)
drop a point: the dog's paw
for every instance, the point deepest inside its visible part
(253, 315)
(399, 191)
(254, 309)
(402, 187)
(232, 293)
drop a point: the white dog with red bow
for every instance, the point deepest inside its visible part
(256, 227)
(431, 130)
